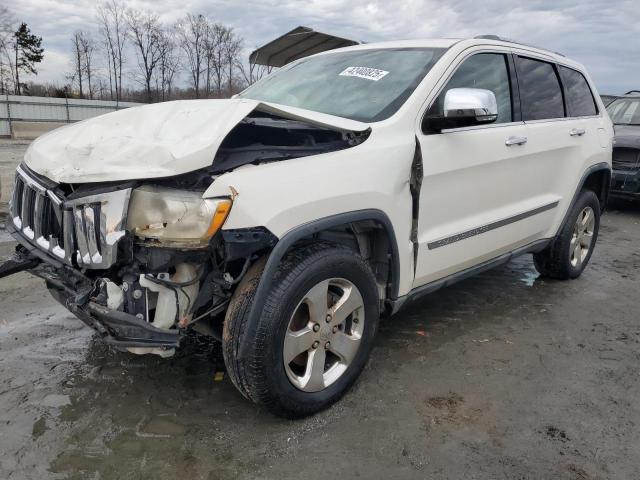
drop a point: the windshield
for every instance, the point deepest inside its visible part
(625, 111)
(364, 85)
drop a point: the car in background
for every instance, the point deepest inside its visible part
(625, 114)
(607, 99)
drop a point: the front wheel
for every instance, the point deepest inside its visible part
(569, 253)
(315, 331)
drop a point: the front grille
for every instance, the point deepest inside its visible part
(626, 158)
(82, 232)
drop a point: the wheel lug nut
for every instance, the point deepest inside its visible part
(315, 344)
(328, 318)
(355, 320)
(334, 329)
(327, 345)
(316, 327)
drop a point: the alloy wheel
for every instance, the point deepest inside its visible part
(323, 335)
(582, 238)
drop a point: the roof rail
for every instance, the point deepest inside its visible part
(632, 91)
(508, 40)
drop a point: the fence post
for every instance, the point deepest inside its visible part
(66, 102)
(6, 93)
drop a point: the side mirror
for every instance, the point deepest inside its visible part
(464, 107)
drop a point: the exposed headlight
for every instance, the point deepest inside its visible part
(175, 218)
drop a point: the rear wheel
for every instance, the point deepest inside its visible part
(315, 331)
(570, 252)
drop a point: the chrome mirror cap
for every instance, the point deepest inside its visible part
(476, 103)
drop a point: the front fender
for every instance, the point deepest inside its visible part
(284, 195)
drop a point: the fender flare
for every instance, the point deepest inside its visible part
(303, 231)
(592, 169)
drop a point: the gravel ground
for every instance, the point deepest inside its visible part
(505, 375)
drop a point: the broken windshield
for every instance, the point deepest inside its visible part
(364, 85)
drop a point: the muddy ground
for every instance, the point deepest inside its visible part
(502, 376)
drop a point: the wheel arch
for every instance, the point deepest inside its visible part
(595, 178)
(323, 228)
(598, 180)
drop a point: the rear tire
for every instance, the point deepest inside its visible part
(569, 253)
(306, 353)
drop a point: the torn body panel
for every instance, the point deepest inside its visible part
(151, 297)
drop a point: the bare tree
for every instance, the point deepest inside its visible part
(114, 31)
(145, 31)
(191, 32)
(7, 22)
(83, 48)
(169, 62)
(78, 74)
(232, 49)
(87, 46)
(253, 72)
(219, 34)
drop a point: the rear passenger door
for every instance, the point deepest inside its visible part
(560, 115)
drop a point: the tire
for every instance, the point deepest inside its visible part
(263, 376)
(559, 260)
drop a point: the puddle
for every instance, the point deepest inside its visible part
(529, 278)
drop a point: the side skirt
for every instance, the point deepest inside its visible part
(422, 290)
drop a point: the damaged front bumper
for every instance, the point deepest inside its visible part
(87, 299)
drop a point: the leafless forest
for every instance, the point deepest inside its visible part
(131, 55)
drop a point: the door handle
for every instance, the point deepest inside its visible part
(577, 132)
(515, 141)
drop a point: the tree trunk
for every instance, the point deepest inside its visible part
(17, 86)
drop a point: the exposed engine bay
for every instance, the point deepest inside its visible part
(143, 260)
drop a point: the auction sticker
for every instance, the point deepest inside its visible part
(364, 72)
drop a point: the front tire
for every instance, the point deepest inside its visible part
(569, 253)
(315, 331)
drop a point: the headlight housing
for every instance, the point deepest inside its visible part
(175, 218)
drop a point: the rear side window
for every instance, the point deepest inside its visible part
(577, 93)
(540, 92)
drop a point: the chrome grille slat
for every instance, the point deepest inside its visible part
(90, 226)
(38, 216)
(26, 214)
(81, 236)
(82, 231)
(68, 234)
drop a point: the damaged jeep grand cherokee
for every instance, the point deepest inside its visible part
(286, 221)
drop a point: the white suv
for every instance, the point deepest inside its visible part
(287, 220)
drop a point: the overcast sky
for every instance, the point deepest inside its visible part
(602, 34)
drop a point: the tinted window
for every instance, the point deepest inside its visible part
(577, 93)
(540, 92)
(488, 71)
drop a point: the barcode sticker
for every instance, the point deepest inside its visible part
(364, 72)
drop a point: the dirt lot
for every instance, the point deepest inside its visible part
(502, 376)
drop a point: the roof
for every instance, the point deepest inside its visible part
(299, 42)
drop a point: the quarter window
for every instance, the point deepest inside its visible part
(488, 71)
(540, 92)
(577, 93)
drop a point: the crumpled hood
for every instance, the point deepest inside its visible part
(152, 141)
